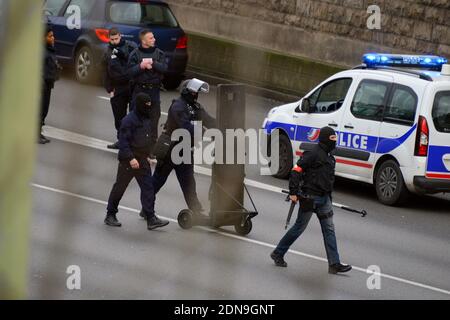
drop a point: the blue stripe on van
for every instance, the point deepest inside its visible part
(371, 144)
(435, 162)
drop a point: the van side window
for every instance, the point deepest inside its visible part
(85, 7)
(369, 99)
(330, 96)
(53, 7)
(402, 106)
(441, 111)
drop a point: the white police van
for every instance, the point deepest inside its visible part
(392, 116)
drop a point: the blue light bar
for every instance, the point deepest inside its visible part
(400, 60)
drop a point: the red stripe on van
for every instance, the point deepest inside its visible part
(438, 176)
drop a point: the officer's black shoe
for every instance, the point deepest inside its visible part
(278, 259)
(339, 268)
(112, 221)
(143, 215)
(155, 222)
(114, 146)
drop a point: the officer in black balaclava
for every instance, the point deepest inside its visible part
(134, 162)
(315, 169)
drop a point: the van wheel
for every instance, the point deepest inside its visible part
(389, 184)
(84, 65)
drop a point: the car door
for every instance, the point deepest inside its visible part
(397, 133)
(358, 139)
(438, 161)
(327, 103)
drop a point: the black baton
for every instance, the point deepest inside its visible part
(291, 209)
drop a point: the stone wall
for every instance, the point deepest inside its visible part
(327, 30)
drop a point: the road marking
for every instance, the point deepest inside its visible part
(109, 99)
(260, 243)
(98, 144)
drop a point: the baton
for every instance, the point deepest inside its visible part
(363, 213)
(291, 209)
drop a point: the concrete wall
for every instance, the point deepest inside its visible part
(331, 31)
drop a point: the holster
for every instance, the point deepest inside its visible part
(306, 203)
(162, 147)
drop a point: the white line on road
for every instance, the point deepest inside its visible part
(86, 141)
(260, 243)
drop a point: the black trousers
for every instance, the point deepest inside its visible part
(143, 177)
(185, 176)
(45, 102)
(155, 111)
(119, 105)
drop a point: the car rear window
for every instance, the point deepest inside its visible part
(441, 111)
(135, 13)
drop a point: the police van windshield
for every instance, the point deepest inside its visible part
(135, 13)
(441, 111)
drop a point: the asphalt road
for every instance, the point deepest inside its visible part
(73, 177)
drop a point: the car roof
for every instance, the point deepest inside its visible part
(402, 73)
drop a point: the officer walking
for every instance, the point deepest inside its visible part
(182, 113)
(116, 78)
(146, 66)
(50, 76)
(316, 169)
(134, 151)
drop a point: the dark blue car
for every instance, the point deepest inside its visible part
(82, 42)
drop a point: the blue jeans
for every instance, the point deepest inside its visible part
(323, 209)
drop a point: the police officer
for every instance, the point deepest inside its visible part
(182, 114)
(50, 76)
(134, 151)
(116, 78)
(146, 66)
(316, 169)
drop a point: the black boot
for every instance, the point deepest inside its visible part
(143, 215)
(112, 221)
(339, 268)
(278, 259)
(155, 222)
(114, 146)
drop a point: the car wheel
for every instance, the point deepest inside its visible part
(389, 184)
(84, 65)
(286, 158)
(172, 83)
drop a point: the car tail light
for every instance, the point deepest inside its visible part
(102, 35)
(182, 42)
(422, 138)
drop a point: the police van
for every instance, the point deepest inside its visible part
(392, 117)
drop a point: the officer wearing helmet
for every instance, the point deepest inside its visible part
(314, 175)
(182, 114)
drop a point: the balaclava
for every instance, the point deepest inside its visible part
(324, 138)
(143, 104)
